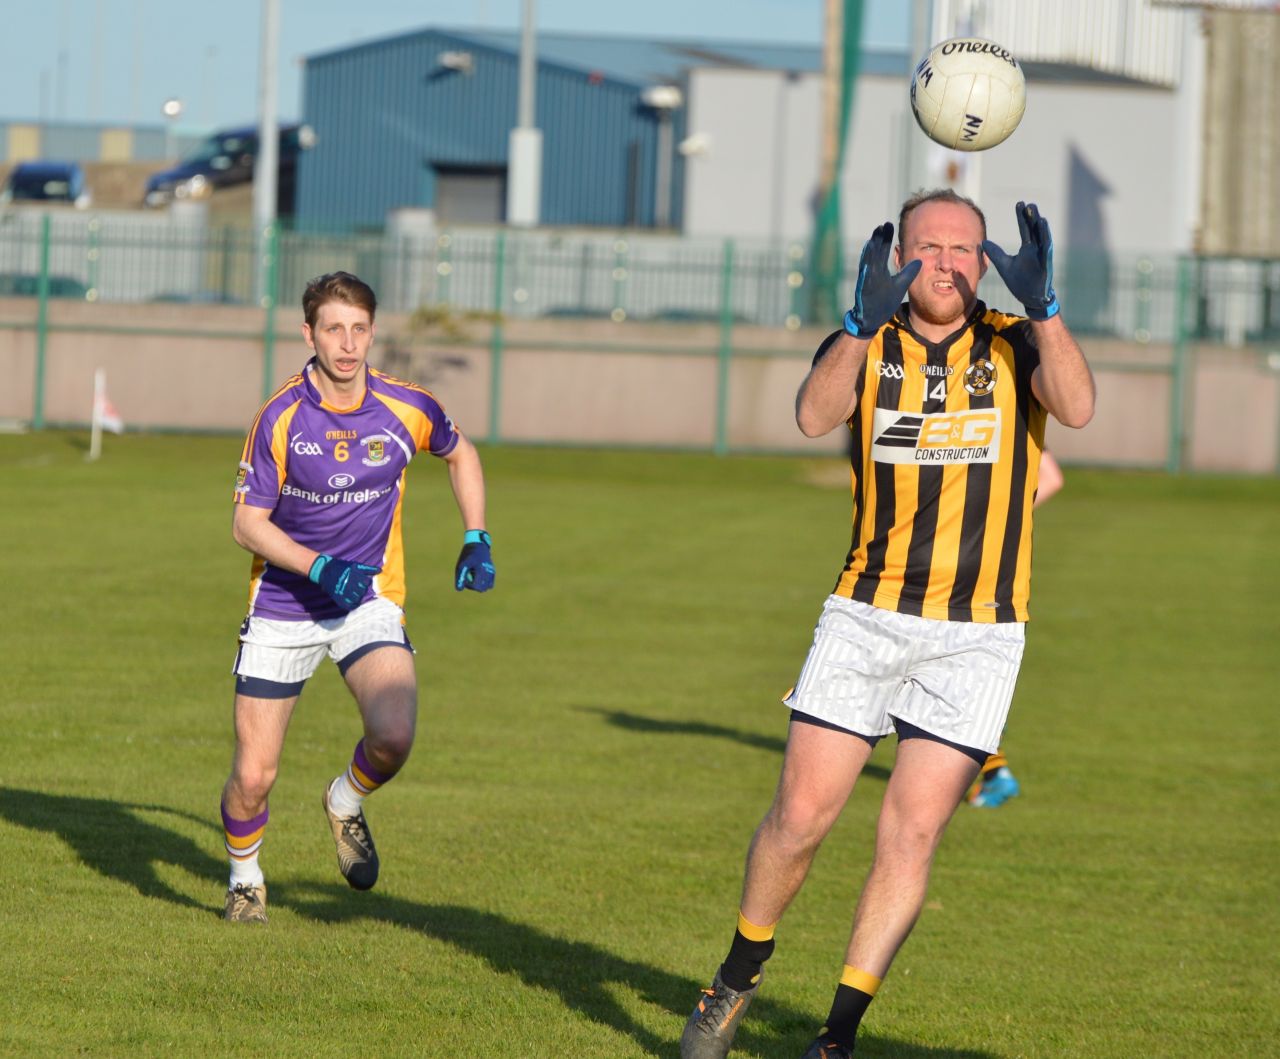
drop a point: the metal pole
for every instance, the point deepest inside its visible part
(270, 257)
(42, 322)
(524, 146)
(496, 342)
(662, 194)
(528, 65)
(266, 167)
(724, 356)
(1177, 378)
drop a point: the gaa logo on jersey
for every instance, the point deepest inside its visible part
(980, 378)
(375, 450)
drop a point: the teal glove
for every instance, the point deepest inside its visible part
(1029, 275)
(345, 581)
(877, 296)
(475, 563)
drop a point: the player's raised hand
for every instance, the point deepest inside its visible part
(1029, 274)
(344, 580)
(877, 294)
(475, 563)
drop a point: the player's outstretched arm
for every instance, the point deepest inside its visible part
(474, 569)
(827, 395)
(1063, 382)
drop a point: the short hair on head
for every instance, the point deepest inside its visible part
(920, 198)
(337, 287)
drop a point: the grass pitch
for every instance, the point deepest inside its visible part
(598, 738)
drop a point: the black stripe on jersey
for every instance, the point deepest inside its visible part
(924, 524)
(888, 395)
(856, 455)
(1025, 357)
(977, 494)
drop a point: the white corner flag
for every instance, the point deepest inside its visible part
(105, 416)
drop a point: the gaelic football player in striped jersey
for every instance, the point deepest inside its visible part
(318, 502)
(922, 635)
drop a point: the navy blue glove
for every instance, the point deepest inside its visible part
(877, 296)
(1029, 275)
(345, 581)
(475, 564)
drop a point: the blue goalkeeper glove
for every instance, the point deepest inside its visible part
(475, 564)
(877, 296)
(345, 581)
(1029, 274)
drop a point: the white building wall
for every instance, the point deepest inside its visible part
(756, 174)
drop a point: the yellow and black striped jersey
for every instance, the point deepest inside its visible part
(945, 453)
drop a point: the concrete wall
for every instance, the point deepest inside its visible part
(592, 382)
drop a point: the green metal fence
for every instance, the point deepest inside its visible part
(1167, 304)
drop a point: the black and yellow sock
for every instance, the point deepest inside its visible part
(993, 762)
(752, 945)
(853, 996)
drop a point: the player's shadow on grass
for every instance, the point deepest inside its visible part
(585, 977)
(112, 839)
(635, 722)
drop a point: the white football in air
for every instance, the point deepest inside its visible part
(968, 94)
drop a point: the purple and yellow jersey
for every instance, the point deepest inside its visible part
(945, 451)
(334, 481)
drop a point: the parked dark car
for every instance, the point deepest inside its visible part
(46, 182)
(27, 285)
(227, 158)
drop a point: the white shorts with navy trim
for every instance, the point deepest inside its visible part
(867, 666)
(286, 653)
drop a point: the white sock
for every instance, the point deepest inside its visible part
(344, 799)
(245, 871)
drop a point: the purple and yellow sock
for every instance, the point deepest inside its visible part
(361, 776)
(243, 840)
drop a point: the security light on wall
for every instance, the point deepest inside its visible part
(662, 97)
(457, 60)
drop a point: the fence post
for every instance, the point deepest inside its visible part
(496, 339)
(271, 257)
(725, 353)
(42, 323)
(1177, 377)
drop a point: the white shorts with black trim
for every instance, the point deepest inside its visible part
(277, 657)
(868, 666)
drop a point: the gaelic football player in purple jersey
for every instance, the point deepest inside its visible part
(317, 502)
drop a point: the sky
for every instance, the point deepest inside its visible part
(119, 61)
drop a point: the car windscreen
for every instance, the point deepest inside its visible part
(207, 150)
(37, 185)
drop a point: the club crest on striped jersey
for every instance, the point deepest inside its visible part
(936, 438)
(980, 377)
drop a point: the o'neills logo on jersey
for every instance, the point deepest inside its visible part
(375, 450)
(980, 378)
(935, 438)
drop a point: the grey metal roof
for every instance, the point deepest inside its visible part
(644, 61)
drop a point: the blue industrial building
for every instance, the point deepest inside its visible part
(423, 120)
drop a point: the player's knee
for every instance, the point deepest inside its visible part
(255, 781)
(801, 823)
(912, 841)
(389, 747)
